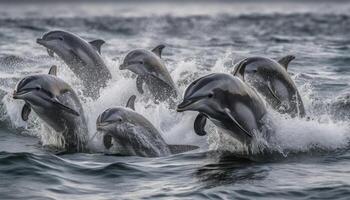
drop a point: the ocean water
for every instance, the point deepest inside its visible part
(310, 159)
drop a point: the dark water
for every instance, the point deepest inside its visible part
(312, 159)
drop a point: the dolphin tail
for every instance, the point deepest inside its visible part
(175, 148)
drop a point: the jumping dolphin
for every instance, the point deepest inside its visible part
(55, 102)
(271, 80)
(129, 133)
(82, 57)
(228, 102)
(150, 69)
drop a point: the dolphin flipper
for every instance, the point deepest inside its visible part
(286, 60)
(25, 112)
(131, 102)
(63, 107)
(97, 45)
(175, 149)
(139, 82)
(228, 112)
(199, 124)
(158, 50)
(269, 86)
(53, 70)
(107, 141)
(50, 52)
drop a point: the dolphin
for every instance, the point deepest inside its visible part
(272, 81)
(150, 69)
(127, 132)
(55, 102)
(82, 57)
(228, 102)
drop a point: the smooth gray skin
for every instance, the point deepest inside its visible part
(82, 57)
(126, 132)
(55, 102)
(272, 81)
(150, 69)
(228, 102)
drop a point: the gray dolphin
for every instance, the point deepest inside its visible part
(55, 102)
(150, 69)
(82, 57)
(130, 133)
(271, 80)
(228, 102)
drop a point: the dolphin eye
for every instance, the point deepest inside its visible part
(60, 38)
(141, 62)
(210, 95)
(37, 88)
(119, 119)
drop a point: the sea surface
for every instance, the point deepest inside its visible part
(310, 159)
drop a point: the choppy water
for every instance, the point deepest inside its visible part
(312, 157)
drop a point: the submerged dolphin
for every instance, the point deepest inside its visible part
(150, 69)
(55, 102)
(82, 57)
(129, 133)
(272, 81)
(228, 102)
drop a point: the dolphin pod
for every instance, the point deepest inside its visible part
(126, 132)
(56, 103)
(233, 102)
(82, 57)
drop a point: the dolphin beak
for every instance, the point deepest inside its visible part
(101, 126)
(18, 95)
(40, 41)
(14, 95)
(122, 66)
(183, 105)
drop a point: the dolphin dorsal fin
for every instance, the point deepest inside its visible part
(158, 50)
(97, 45)
(286, 60)
(53, 70)
(131, 102)
(240, 69)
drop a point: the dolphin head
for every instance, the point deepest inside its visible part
(59, 42)
(116, 126)
(34, 90)
(205, 95)
(138, 61)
